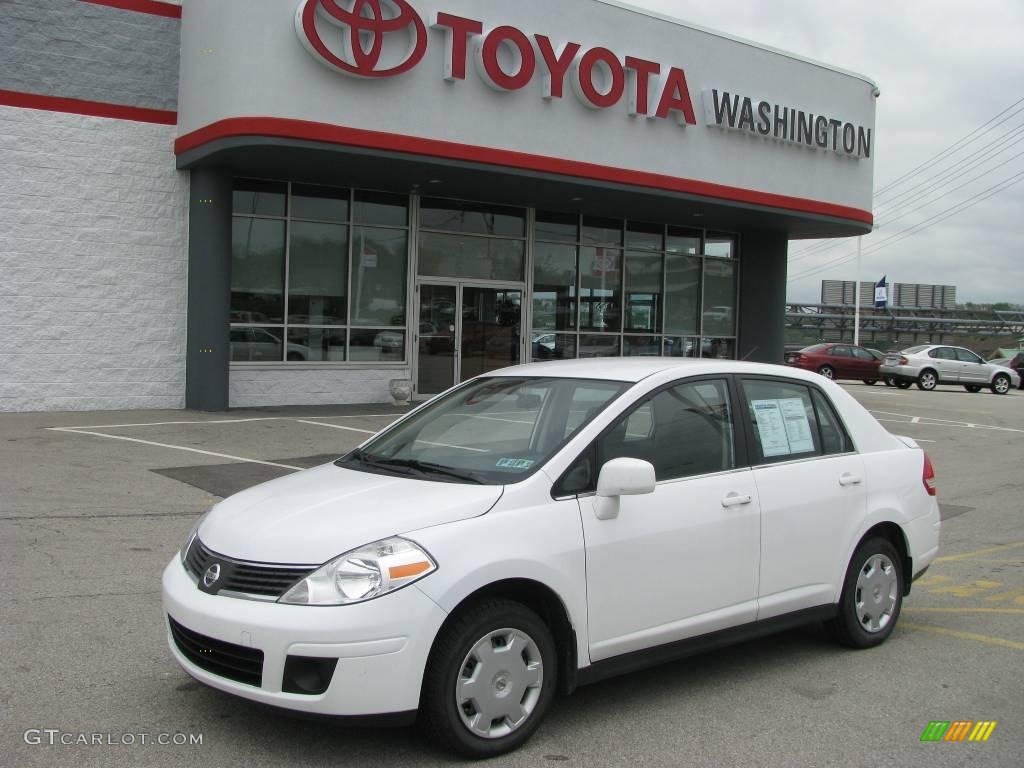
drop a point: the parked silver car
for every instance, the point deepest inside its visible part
(932, 364)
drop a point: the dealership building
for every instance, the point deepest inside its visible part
(233, 203)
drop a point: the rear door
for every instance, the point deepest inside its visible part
(810, 484)
(867, 364)
(841, 358)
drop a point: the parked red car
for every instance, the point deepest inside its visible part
(838, 361)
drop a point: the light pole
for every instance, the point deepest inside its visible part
(856, 301)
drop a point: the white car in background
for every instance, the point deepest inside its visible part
(549, 525)
(929, 365)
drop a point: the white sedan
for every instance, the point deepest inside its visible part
(550, 525)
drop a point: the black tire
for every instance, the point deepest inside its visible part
(927, 380)
(972, 388)
(870, 382)
(904, 384)
(439, 715)
(295, 357)
(828, 372)
(847, 627)
(1001, 384)
(890, 381)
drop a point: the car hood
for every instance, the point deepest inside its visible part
(310, 517)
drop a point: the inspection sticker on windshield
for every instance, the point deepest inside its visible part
(515, 463)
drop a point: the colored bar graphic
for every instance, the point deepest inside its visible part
(982, 730)
(958, 730)
(935, 731)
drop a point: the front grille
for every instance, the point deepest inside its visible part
(235, 662)
(261, 579)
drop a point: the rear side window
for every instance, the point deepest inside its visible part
(840, 351)
(783, 419)
(943, 353)
(833, 437)
(862, 354)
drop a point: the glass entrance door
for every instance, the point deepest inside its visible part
(464, 331)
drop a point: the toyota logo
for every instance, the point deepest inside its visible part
(364, 28)
(211, 575)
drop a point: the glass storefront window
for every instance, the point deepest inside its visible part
(603, 345)
(598, 231)
(318, 274)
(380, 272)
(682, 294)
(256, 345)
(380, 209)
(472, 218)
(719, 298)
(562, 227)
(646, 236)
(641, 346)
(681, 240)
(600, 289)
(253, 197)
(682, 346)
(377, 346)
(720, 247)
(643, 291)
(315, 345)
(319, 203)
(554, 287)
(463, 256)
(719, 349)
(552, 346)
(257, 270)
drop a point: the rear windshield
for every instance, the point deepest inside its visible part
(915, 350)
(814, 348)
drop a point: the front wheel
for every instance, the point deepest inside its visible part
(927, 381)
(904, 384)
(972, 388)
(1001, 384)
(490, 680)
(890, 381)
(827, 371)
(872, 595)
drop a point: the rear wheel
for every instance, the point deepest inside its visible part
(972, 387)
(827, 371)
(870, 382)
(490, 680)
(904, 384)
(1001, 384)
(872, 595)
(928, 380)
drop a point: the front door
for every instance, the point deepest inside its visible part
(465, 330)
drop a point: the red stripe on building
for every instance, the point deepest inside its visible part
(91, 108)
(355, 137)
(152, 7)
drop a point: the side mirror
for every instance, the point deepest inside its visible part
(622, 477)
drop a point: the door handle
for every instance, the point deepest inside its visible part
(735, 500)
(847, 478)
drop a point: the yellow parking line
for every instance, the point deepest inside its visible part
(1010, 611)
(986, 639)
(975, 553)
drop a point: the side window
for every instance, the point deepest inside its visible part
(833, 437)
(784, 422)
(966, 356)
(863, 354)
(840, 351)
(943, 353)
(683, 431)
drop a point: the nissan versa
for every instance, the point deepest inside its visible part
(550, 525)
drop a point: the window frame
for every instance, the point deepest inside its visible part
(740, 439)
(756, 460)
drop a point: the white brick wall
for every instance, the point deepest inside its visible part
(93, 257)
(253, 387)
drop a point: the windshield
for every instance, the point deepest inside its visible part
(492, 431)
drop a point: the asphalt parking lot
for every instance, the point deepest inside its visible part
(93, 505)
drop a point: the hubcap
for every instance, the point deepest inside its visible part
(826, 372)
(1002, 385)
(499, 683)
(928, 380)
(877, 592)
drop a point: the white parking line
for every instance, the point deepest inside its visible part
(74, 431)
(929, 421)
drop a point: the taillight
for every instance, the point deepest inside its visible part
(801, 358)
(929, 476)
(904, 361)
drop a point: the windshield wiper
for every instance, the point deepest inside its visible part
(424, 467)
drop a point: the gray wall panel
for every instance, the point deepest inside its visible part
(84, 51)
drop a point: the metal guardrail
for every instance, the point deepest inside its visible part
(835, 322)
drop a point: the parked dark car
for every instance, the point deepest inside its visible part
(1015, 363)
(837, 361)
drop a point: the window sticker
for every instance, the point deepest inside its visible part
(783, 427)
(515, 463)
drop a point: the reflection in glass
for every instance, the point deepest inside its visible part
(552, 346)
(381, 208)
(323, 203)
(436, 356)
(259, 198)
(472, 218)
(256, 345)
(315, 345)
(604, 345)
(491, 319)
(682, 294)
(554, 287)
(682, 240)
(318, 274)
(380, 259)
(720, 247)
(645, 236)
(720, 349)
(378, 346)
(468, 257)
(600, 289)
(597, 231)
(719, 297)
(564, 227)
(643, 291)
(641, 346)
(682, 346)
(257, 270)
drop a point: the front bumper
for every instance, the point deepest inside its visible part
(381, 645)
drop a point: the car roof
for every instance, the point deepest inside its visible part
(634, 369)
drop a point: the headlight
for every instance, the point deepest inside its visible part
(363, 574)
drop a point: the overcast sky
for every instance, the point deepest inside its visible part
(944, 67)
